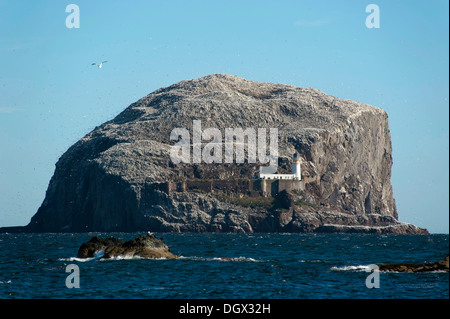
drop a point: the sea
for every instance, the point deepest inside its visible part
(224, 265)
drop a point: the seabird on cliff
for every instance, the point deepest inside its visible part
(99, 65)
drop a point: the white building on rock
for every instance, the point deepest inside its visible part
(296, 172)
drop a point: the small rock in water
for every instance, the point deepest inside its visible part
(143, 246)
(442, 265)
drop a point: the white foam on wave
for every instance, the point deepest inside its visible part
(132, 257)
(81, 260)
(119, 257)
(97, 255)
(369, 268)
(122, 257)
(5, 282)
(237, 259)
(353, 268)
(222, 259)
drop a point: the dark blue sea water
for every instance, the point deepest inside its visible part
(225, 266)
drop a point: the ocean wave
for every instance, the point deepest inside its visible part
(369, 268)
(125, 257)
(237, 259)
(119, 257)
(353, 268)
(81, 260)
(5, 282)
(97, 255)
(132, 257)
(222, 259)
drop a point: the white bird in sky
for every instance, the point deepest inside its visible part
(99, 65)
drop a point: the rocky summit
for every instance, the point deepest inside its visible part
(121, 176)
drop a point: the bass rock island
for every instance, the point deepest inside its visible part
(333, 166)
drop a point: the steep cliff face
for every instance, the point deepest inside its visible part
(104, 181)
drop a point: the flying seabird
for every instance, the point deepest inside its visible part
(99, 65)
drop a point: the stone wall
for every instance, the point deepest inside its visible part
(250, 187)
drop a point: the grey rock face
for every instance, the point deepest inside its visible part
(103, 182)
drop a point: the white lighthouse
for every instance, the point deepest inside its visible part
(296, 172)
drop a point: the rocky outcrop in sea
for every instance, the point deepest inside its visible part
(442, 265)
(142, 246)
(108, 180)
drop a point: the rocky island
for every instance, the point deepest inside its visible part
(441, 265)
(121, 177)
(142, 246)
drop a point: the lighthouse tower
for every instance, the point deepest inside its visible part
(296, 167)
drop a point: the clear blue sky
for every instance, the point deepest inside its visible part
(50, 95)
